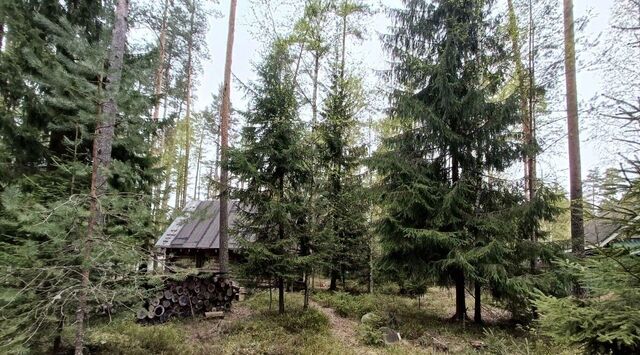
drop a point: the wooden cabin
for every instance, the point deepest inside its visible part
(194, 237)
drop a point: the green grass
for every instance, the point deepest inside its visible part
(254, 329)
(431, 320)
(262, 332)
(266, 332)
(124, 336)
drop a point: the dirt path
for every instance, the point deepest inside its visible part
(343, 329)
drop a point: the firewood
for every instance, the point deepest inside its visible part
(214, 314)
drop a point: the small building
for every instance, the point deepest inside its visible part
(608, 233)
(195, 236)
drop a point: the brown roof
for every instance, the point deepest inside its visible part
(198, 227)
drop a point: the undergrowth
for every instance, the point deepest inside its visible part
(431, 321)
(124, 336)
(298, 331)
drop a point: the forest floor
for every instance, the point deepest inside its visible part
(331, 326)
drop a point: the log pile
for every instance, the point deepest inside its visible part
(194, 296)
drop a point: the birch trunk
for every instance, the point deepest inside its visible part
(224, 143)
(102, 145)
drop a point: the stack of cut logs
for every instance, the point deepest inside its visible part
(196, 295)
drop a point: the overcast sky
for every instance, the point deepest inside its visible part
(249, 39)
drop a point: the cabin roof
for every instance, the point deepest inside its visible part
(198, 227)
(599, 232)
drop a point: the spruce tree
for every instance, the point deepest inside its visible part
(343, 200)
(270, 164)
(450, 131)
(55, 94)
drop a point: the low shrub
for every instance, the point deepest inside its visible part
(347, 305)
(370, 335)
(298, 320)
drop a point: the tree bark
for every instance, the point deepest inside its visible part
(344, 45)
(187, 116)
(314, 95)
(280, 295)
(270, 293)
(196, 188)
(458, 275)
(531, 166)
(57, 340)
(477, 310)
(102, 145)
(157, 89)
(333, 286)
(156, 145)
(305, 305)
(461, 306)
(166, 191)
(526, 95)
(224, 145)
(575, 176)
(523, 93)
(370, 266)
(1, 36)
(167, 140)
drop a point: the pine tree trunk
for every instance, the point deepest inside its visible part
(157, 89)
(156, 146)
(217, 166)
(280, 295)
(166, 190)
(179, 179)
(208, 195)
(187, 117)
(477, 310)
(575, 176)
(196, 189)
(532, 118)
(224, 145)
(102, 145)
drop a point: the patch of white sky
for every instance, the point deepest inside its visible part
(369, 58)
